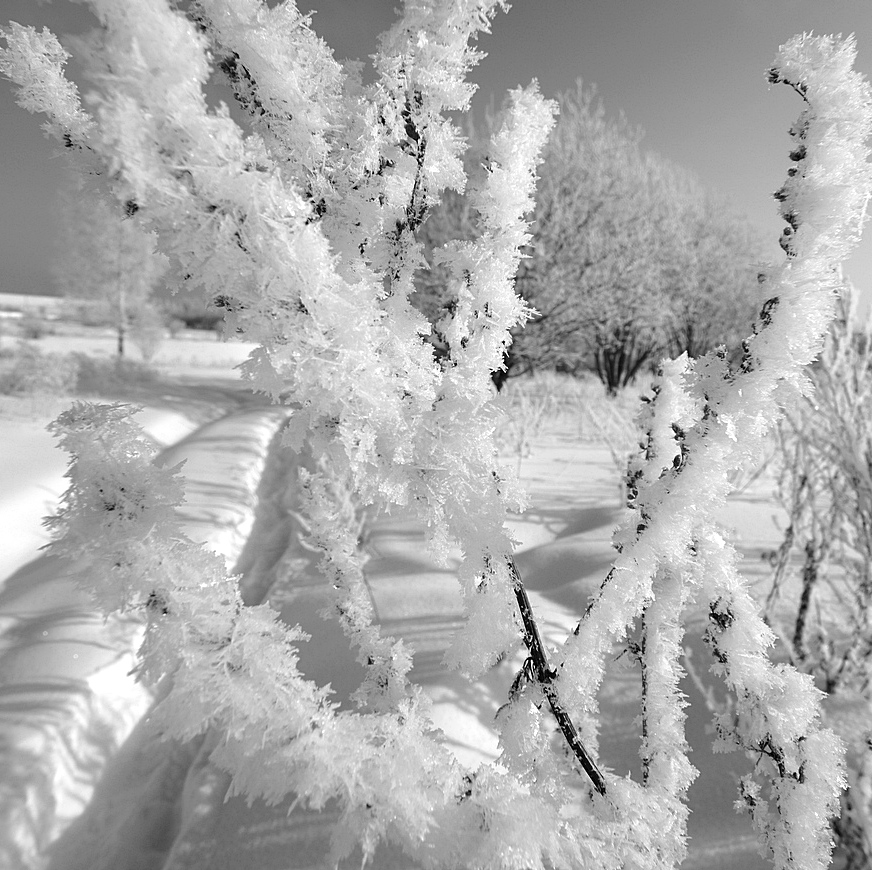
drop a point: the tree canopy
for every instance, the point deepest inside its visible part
(631, 257)
(104, 256)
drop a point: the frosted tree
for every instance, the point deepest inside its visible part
(631, 257)
(713, 258)
(597, 270)
(304, 228)
(105, 256)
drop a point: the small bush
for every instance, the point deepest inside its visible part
(527, 403)
(209, 321)
(33, 328)
(175, 326)
(530, 402)
(97, 375)
(148, 330)
(28, 371)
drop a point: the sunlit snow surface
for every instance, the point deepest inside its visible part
(67, 702)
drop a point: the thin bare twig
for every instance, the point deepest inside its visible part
(544, 675)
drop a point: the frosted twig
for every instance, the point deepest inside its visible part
(544, 674)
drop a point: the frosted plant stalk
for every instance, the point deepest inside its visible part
(338, 333)
(724, 417)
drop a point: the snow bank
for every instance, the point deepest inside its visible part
(31, 485)
(67, 701)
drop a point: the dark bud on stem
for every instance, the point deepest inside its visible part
(156, 602)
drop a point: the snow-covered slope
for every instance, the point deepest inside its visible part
(67, 700)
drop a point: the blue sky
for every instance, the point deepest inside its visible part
(692, 73)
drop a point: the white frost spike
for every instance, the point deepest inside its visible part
(35, 62)
(667, 773)
(828, 192)
(288, 71)
(487, 309)
(514, 153)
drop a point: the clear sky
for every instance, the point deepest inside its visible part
(692, 73)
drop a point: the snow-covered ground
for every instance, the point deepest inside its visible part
(85, 784)
(193, 352)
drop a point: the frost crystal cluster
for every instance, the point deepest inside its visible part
(303, 228)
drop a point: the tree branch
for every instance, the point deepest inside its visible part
(545, 675)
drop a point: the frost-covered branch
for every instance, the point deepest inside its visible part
(312, 249)
(543, 674)
(724, 416)
(35, 62)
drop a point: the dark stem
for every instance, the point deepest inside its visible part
(545, 677)
(809, 580)
(638, 650)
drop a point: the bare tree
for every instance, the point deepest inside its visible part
(107, 257)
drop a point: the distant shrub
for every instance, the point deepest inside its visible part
(86, 312)
(28, 371)
(175, 326)
(194, 315)
(527, 403)
(531, 401)
(33, 328)
(25, 370)
(208, 321)
(96, 375)
(148, 330)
